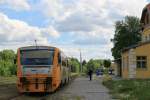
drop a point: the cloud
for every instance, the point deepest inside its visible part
(16, 4)
(82, 16)
(123, 7)
(85, 15)
(91, 38)
(88, 17)
(50, 31)
(74, 23)
(15, 31)
(90, 24)
(88, 51)
(52, 8)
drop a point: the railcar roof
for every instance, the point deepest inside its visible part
(145, 9)
(136, 45)
(36, 47)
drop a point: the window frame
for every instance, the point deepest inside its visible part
(24, 58)
(59, 58)
(140, 60)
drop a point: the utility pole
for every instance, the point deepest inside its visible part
(80, 62)
(36, 44)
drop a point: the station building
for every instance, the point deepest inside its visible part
(116, 66)
(135, 60)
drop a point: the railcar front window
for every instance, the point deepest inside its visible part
(37, 57)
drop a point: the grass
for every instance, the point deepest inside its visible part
(129, 89)
(8, 80)
(74, 75)
(8, 87)
(12, 79)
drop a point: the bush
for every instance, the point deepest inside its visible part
(129, 89)
(7, 66)
(106, 78)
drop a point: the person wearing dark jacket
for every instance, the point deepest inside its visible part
(90, 74)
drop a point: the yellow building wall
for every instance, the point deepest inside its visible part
(146, 31)
(143, 50)
(146, 34)
(125, 65)
(141, 73)
(114, 66)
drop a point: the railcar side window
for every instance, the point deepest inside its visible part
(59, 58)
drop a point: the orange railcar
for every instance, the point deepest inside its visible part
(41, 69)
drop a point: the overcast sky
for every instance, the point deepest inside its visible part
(68, 24)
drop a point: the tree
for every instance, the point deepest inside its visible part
(127, 33)
(7, 66)
(7, 55)
(94, 64)
(90, 64)
(84, 63)
(75, 65)
(107, 63)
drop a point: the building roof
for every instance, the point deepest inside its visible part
(135, 46)
(145, 9)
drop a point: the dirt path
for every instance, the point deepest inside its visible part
(83, 89)
(79, 89)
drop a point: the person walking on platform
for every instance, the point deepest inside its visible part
(90, 73)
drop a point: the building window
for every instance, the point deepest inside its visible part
(141, 61)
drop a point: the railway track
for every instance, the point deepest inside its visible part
(28, 96)
(15, 97)
(40, 96)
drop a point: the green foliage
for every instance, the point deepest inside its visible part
(106, 78)
(107, 63)
(93, 64)
(129, 89)
(75, 65)
(7, 80)
(127, 33)
(7, 66)
(84, 63)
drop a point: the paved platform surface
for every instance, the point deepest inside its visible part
(79, 89)
(83, 89)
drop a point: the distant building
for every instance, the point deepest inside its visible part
(116, 66)
(136, 58)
